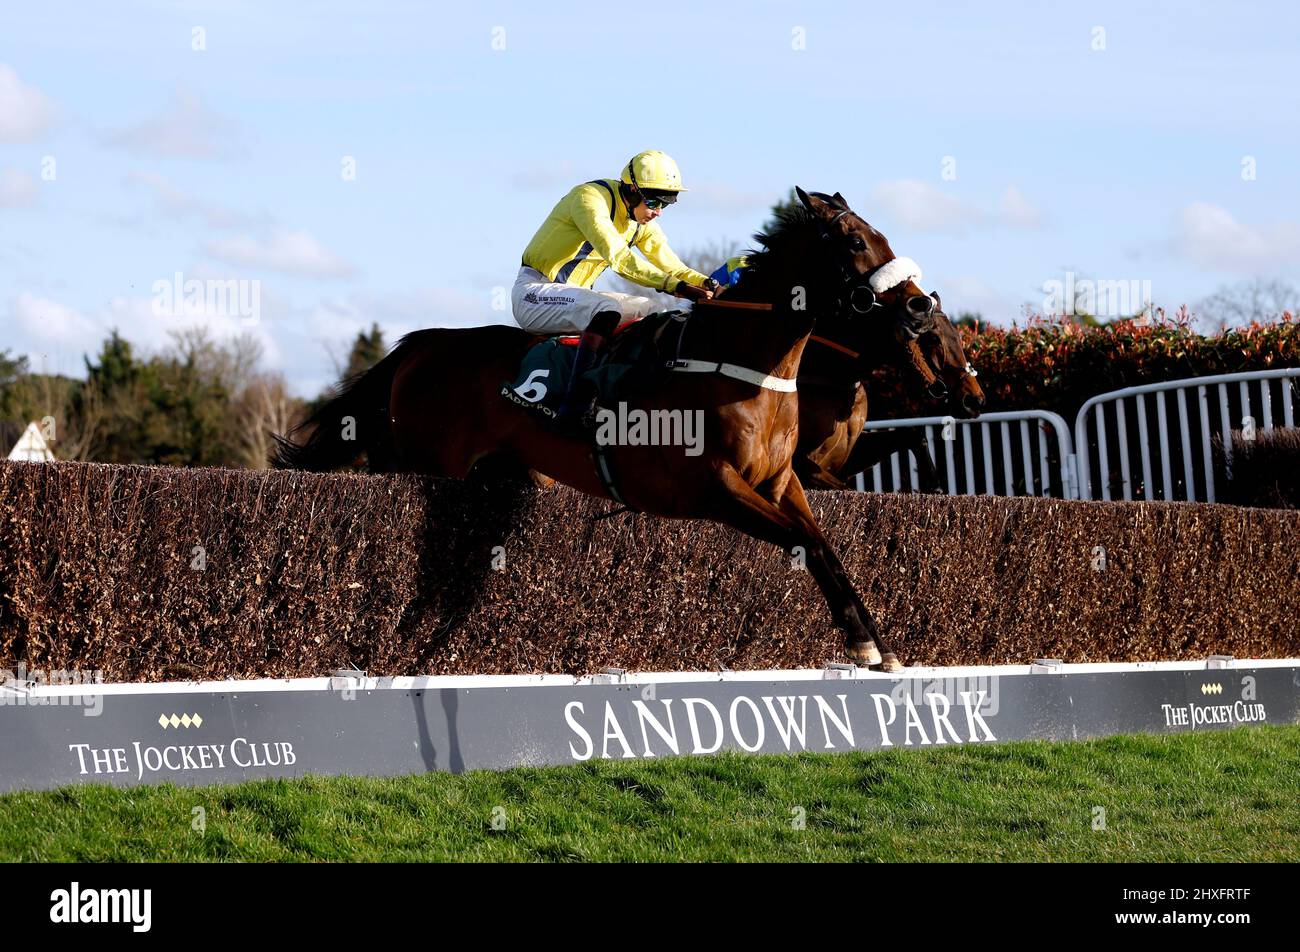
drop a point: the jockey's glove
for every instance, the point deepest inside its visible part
(691, 293)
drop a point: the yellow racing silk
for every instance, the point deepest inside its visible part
(590, 230)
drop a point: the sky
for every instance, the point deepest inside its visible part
(349, 163)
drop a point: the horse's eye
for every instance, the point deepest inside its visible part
(857, 244)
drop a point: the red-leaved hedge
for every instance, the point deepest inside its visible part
(1057, 365)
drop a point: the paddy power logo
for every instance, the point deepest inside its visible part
(698, 725)
(1217, 713)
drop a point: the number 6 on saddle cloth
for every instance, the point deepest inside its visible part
(638, 357)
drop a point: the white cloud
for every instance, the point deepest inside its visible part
(727, 200)
(1212, 238)
(50, 322)
(303, 342)
(340, 319)
(336, 320)
(18, 189)
(174, 203)
(1018, 210)
(59, 328)
(25, 113)
(188, 130)
(919, 206)
(438, 307)
(289, 252)
(145, 323)
(968, 294)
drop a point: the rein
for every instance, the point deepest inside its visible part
(834, 346)
(744, 305)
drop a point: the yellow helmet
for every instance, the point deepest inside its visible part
(653, 170)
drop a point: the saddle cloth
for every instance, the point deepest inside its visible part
(636, 359)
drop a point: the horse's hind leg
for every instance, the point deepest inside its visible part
(744, 509)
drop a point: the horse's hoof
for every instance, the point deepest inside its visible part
(863, 652)
(889, 662)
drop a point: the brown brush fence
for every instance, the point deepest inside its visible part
(165, 573)
(1265, 468)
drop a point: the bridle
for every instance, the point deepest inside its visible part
(931, 378)
(859, 293)
(856, 292)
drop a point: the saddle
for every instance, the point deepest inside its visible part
(637, 359)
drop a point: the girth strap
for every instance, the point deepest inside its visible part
(734, 371)
(605, 472)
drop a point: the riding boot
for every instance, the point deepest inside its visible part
(580, 394)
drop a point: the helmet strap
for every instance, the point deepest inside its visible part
(630, 193)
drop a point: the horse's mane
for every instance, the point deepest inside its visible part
(793, 228)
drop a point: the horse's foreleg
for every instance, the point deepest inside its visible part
(927, 476)
(744, 509)
(875, 447)
(794, 504)
(814, 475)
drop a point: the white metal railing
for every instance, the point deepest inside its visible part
(1031, 452)
(1033, 446)
(1179, 464)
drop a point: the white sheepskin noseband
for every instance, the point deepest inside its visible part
(893, 273)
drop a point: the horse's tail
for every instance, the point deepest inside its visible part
(353, 421)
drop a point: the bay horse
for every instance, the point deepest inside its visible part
(433, 404)
(834, 396)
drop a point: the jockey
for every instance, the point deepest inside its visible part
(594, 227)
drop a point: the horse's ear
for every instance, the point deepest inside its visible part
(840, 198)
(815, 202)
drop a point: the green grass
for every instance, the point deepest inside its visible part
(1192, 797)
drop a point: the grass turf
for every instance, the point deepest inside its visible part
(1209, 796)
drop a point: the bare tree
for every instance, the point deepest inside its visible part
(231, 365)
(1258, 299)
(263, 408)
(78, 423)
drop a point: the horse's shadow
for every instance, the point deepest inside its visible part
(465, 523)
